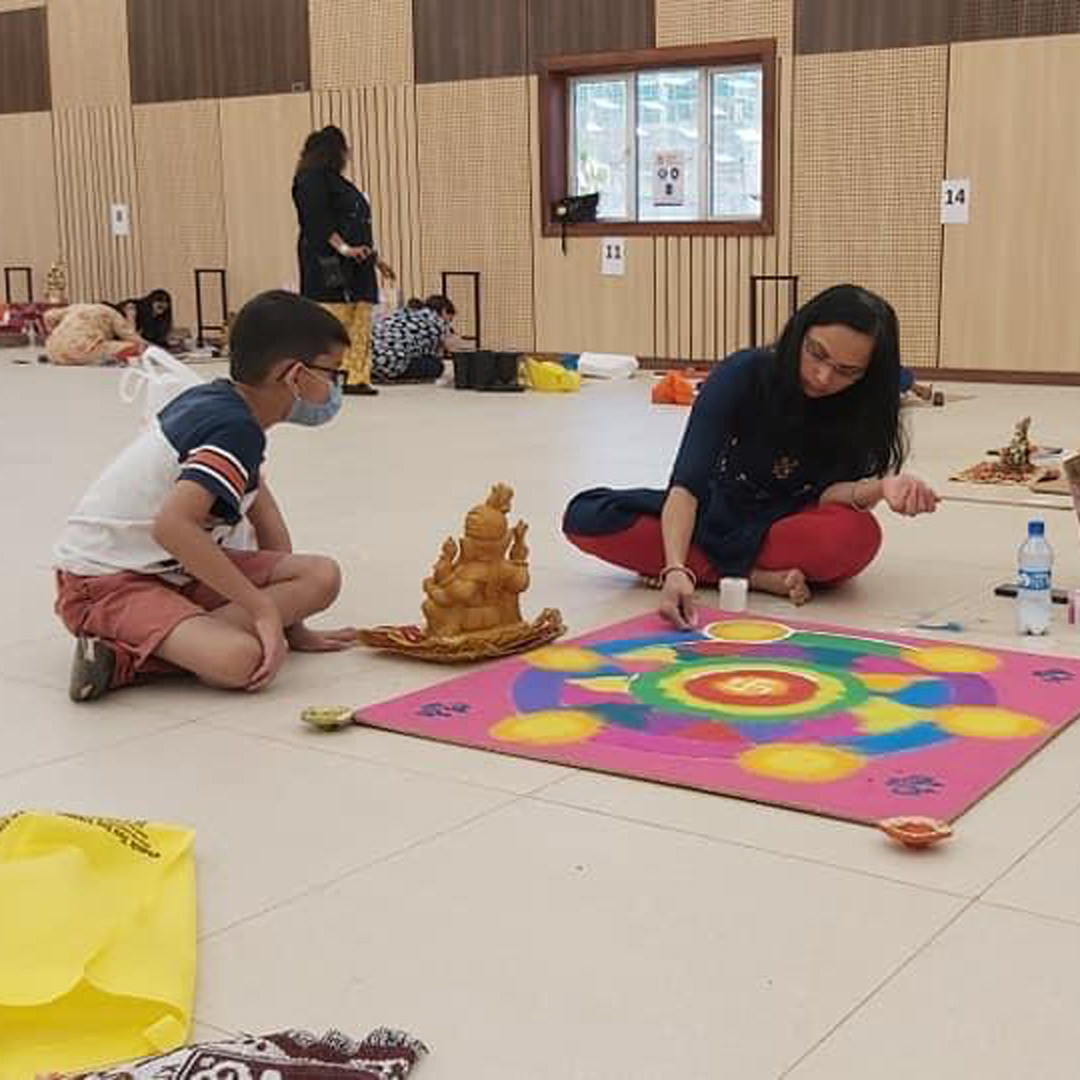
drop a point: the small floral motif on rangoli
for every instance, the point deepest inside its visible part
(914, 784)
(442, 710)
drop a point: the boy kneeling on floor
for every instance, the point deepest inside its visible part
(143, 578)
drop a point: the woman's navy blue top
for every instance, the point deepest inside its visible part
(744, 482)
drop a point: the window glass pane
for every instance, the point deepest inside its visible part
(736, 143)
(601, 144)
(669, 145)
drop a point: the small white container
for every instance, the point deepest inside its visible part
(733, 593)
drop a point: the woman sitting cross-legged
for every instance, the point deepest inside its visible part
(786, 452)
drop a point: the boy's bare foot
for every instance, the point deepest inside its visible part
(92, 669)
(923, 390)
(789, 583)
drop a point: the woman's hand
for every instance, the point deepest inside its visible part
(908, 495)
(386, 270)
(360, 254)
(677, 600)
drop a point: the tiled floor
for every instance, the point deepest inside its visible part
(531, 921)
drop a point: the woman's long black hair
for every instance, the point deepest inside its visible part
(326, 148)
(154, 328)
(856, 428)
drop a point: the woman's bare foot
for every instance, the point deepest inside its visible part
(789, 583)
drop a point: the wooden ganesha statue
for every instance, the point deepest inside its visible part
(472, 605)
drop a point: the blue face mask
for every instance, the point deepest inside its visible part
(310, 415)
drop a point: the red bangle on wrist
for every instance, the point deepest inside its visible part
(682, 569)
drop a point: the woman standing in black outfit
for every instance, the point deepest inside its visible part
(336, 249)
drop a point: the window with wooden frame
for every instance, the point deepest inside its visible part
(674, 141)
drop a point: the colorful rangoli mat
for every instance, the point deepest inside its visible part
(855, 725)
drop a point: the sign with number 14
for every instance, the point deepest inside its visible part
(955, 201)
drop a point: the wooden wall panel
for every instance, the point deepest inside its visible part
(579, 310)
(1009, 281)
(179, 168)
(380, 123)
(568, 27)
(261, 47)
(186, 50)
(360, 43)
(171, 50)
(977, 20)
(260, 142)
(24, 61)
(469, 39)
(476, 197)
(869, 158)
(696, 22)
(95, 167)
(28, 235)
(852, 25)
(88, 46)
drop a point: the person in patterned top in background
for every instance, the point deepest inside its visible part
(409, 344)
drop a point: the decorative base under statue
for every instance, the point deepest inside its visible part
(472, 607)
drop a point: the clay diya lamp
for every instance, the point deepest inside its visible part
(916, 832)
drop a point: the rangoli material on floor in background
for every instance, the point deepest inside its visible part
(1013, 464)
(855, 725)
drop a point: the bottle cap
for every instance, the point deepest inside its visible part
(1036, 528)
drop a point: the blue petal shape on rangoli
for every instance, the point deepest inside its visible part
(916, 737)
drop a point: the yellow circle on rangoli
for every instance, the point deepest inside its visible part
(548, 727)
(987, 722)
(886, 682)
(801, 763)
(952, 659)
(748, 631)
(659, 654)
(568, 658)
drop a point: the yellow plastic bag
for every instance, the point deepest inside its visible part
(97, 941)
(548, 375)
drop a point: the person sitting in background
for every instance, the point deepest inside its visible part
(90, 334)
(409, 344)
(129, 308)
(154, 317)
(910, 385)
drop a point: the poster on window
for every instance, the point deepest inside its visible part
(669, 178)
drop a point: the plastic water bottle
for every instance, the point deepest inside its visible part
(1033, 599)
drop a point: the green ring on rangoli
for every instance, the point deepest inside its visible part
(756, 681)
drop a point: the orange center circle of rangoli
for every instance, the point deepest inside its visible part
(749, 687)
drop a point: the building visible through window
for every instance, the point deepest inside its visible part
(676, 145)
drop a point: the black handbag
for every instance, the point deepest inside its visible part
(332, 271)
